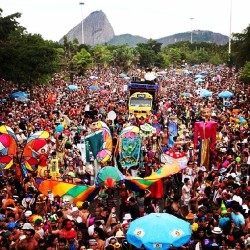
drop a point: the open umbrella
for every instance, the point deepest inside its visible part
(22, 99)
(93, 87)
(198, 80)
(72, 87)
(19, 94)
(108, 176)
(198, 76)
(122, 75)
(225, 94)
(159, 231)
(205, 93)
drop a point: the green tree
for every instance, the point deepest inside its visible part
(149, 53)
(8, 24)
(28, 59)
(245, 73)
(241, 47)
(101, 55)
(25, 58)
(82, 60)
(122, 56)
(174, 56)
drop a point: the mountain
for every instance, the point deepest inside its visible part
(197, 36)
(98, 30)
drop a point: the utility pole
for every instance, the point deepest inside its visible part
(81, 3)
(230, 35)
(191, 38)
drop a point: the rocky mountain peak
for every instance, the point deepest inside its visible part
(96, 29)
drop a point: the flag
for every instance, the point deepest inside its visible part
(60, 188)
(223, 208)
(51, 98)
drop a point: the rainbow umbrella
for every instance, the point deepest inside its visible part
(108, 176)
(8, 148)
(7, 130)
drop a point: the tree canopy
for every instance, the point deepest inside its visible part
(25, 58)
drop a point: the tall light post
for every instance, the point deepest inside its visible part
(191, 38)
(81, 3)
(230, 33)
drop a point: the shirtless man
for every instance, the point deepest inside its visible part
(27, 241)
(164, 139)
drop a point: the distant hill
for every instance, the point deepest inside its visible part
(197, 36)
(98, 30)
(127, 39)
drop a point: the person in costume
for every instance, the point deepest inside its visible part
(205, 131)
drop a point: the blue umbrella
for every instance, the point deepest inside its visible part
(198, 76)
(122, 75)
(93, 87)
(199, 80)
(205, 93)
(22, 99)
(159, 230)
(19, 94)
(225, 94)
(186, 94)
(72, 87)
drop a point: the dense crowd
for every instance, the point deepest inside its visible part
(214, 199)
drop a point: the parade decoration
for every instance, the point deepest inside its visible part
(8, 146)
(35, 143)
(147, 130)
(7, 130)
(206, 132)
(129, 147)
(100, 142)
(171, 156)
(108, 176)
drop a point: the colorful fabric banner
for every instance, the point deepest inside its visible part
(60, 188)
(137, 183)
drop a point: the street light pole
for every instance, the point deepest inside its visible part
(230, 33)
(191, 39)
(81, 3)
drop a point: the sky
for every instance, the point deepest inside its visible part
(147, 18)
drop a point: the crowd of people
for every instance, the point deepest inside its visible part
(213, 197)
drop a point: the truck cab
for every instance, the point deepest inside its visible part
(142, 97)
